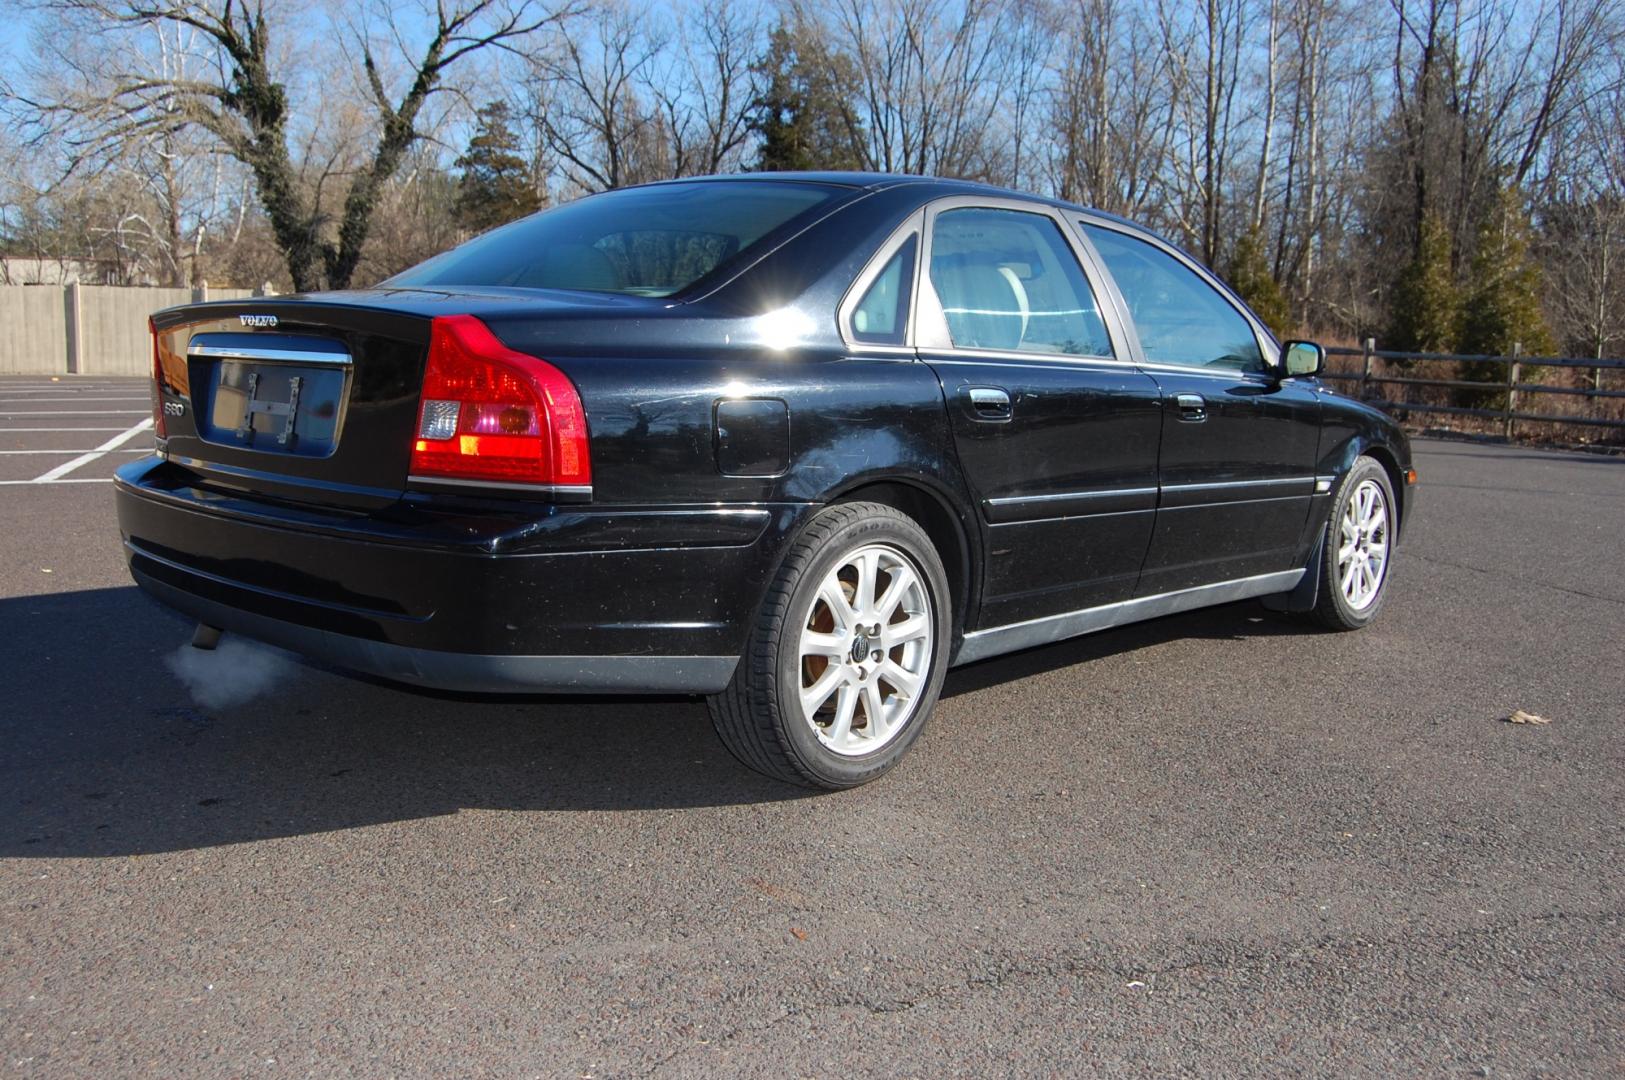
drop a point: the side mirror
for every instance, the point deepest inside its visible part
(1302, 359)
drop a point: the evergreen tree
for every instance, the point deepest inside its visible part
(1426, 312)
(1251, 278)
(1503, 301)
(800, 116)
(495, 187)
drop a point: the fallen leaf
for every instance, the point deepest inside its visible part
(1521, 717)
(798, 933)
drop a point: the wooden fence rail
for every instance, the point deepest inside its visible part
(1512, 384)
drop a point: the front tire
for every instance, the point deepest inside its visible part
(1357, 551)
(848, 653)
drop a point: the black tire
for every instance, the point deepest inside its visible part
(1333, 610)
(759, 716)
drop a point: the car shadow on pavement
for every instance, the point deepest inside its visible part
(105, 753)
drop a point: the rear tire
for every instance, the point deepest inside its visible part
(848, 653)
(1357, 550)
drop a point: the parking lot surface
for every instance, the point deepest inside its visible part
(1217, 844)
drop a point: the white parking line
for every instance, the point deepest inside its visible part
(69, 480)
(9, 430)
(87, 398)
(73, 412)
(86, 458)
(60, 452)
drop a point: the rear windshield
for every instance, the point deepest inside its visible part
(649, 241)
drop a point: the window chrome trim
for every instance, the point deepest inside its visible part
(912, 226)
(1048, 360)
(1268, 377)
(936, 337)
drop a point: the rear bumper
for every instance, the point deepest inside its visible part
(460, 596)
(481, 672)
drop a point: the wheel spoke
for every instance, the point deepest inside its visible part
(835, 599)
(910, 629)
(867, 562)
(874, 710)
(902, 680)
(814, 696)
(902, 579)
(846, 703)
(817, 643)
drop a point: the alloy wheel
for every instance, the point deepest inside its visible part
(1362, 552)
(865, 650)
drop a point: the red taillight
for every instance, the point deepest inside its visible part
(491, 414)
(158, 426)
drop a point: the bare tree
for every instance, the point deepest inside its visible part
(931, 76)
(1111, 106)
(706, 95)
(242, 100)
(587, 100)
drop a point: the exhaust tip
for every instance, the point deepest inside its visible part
(206, 636)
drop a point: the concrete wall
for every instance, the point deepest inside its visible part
(33, 330)
(84, 329)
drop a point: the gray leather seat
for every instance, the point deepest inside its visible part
(982, 308)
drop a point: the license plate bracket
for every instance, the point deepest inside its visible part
(272, 407)
(288, 410)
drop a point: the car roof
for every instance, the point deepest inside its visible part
(936, 185)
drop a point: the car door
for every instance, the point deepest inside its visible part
(1055, 430)
(1238, 444)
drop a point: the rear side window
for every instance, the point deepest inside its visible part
(1008, 280)
(650, 241)
(1181, 318)
(881, 317)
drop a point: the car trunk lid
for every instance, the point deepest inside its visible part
(304, 401)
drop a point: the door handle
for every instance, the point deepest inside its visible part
(989, 403)
(1192, 408)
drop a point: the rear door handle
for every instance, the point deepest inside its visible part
(1192, 408)
(989, 403)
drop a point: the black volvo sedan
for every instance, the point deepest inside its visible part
(798, 442)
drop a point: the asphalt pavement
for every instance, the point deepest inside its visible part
(1219, 844)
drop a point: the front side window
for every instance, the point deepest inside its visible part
(1008, 280)
(646, 241)
(881, 317)
(1181, 319)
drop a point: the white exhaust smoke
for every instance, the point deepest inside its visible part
(234, 673)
